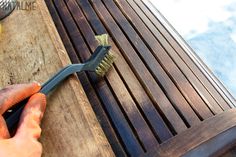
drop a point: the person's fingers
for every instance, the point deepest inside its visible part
(29, 125)
(4, 133)
(13, 94)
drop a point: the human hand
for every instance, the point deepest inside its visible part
(25, 142)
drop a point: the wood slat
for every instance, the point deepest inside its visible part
(170, 88)
(223, 100)
(85, 56)
(210, 138)
(89, 35)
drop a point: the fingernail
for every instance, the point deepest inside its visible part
(37, 83)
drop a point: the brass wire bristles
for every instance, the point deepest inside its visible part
(102, 39)
(108, 60)
(105, 64)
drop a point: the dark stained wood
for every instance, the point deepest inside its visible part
(125, 100)
(138, 66)
(223, 97)
(161, 42)
(229, 153)
(161, 56)
(129, 78)
(210, 138)
(135, 88)
(31, 49)
(155, 94)
(170, 89)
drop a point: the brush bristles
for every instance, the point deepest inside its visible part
(105, 64)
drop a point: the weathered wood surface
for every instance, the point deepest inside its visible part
(155, 90)
(31, 49)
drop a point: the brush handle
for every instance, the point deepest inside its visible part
(12, 118)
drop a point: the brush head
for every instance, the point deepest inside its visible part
(101, 61)
(105, 64)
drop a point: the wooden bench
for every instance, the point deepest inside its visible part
(159, 98)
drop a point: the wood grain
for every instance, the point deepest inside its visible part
(155, 66)
(212, 137)
(31, 49)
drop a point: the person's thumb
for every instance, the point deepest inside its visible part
(29, 125)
